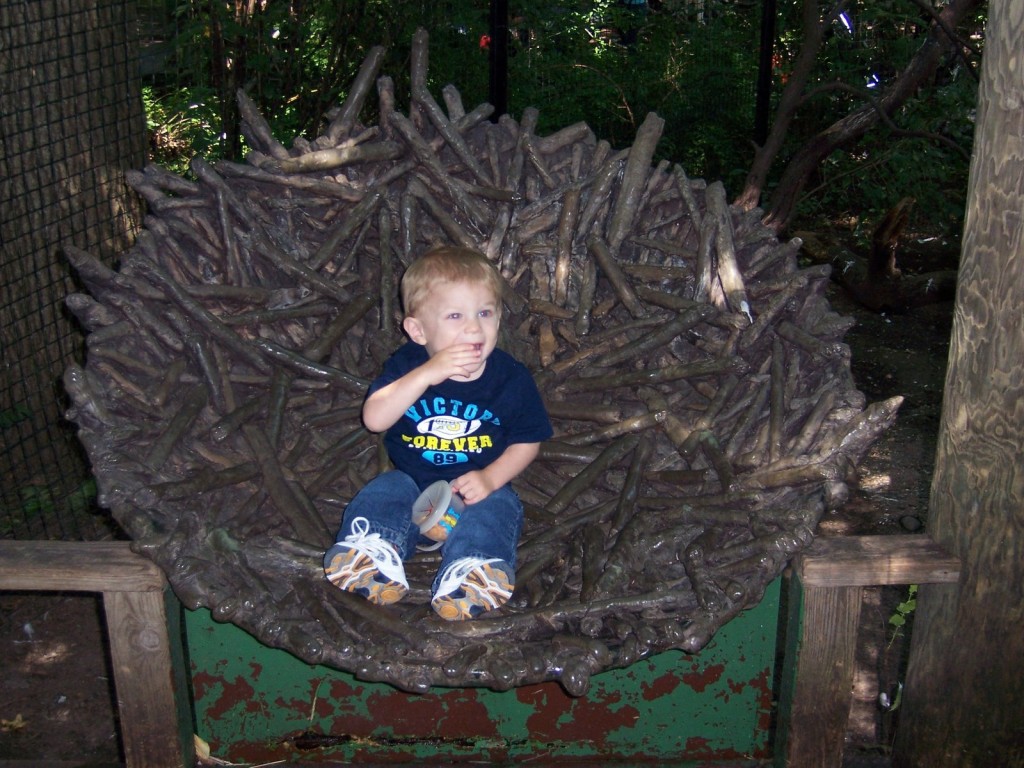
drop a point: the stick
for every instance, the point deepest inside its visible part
(234, 419)
(686, 191)
(709, 444)
(810, 343)
(734, 365)
(363, 210)
(610, 267)
(636, 424)
(332, 287)
(234, 269)
(812, 425)
(560, 409)
(600, 191)
(710, 596)
(169, 381)
(703, 288)
(588, 290)
(566, 233)
(592, 561)
(441, 215)
(407, 208)
(658, 338)
(770, 311)
(728, 270)
(304, 365)
(429, 159)
(777, 403)
(585, 478)
(557, 450)
(337, 157)
(341, 125)
(453, 102)
(625, 509)
(331, 189)
(575, 134)
(306, 528)
(206, 361)
(638, 168)
(191, 404)
(206, 321)
(259, 134)
(450, 135)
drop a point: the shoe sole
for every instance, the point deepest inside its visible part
(482, 592)
(359, 575)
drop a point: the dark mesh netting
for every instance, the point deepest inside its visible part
(70, 125)
(704, 411)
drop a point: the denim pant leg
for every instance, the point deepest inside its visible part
(386, 503)
(488, 529)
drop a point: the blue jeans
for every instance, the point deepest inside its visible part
(487, 529)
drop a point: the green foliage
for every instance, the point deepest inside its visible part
(595, 61)
(923, 152)
(181, 124)
(925, 159)
(83, 498)
(37, 501)
(11, 416)
(609, 66)
(904, 610)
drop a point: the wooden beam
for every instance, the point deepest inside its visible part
(77, 566)
(818, 704)
(850, 561)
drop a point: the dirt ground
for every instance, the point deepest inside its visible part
(55, 690)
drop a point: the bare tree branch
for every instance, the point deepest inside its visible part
(878, 109)
(883, 117)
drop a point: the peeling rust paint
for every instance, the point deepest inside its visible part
(232, 694)
(454, 713)
(559, 717)
(699, 679)
(257, 705)
(660, 686)
(699, 748)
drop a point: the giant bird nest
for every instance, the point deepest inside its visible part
(705, 416)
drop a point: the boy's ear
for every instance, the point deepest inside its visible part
(414, 329)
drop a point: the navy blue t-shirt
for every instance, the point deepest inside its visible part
(460, 426)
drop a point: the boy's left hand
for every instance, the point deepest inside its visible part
(473, 487)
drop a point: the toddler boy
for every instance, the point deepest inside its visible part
(453, 407)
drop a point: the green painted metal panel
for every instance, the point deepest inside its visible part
(255, 704)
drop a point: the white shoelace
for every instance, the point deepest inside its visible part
(458, 572)
(377, 549)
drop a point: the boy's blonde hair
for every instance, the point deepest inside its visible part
(447, 264)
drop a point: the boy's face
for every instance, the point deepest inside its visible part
(457, 313)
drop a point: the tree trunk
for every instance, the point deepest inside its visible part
(964, 698)
(812, 34)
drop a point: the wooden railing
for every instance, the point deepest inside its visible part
(152, 693)
(828, 581)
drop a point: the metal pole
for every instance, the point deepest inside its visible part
(499, 58)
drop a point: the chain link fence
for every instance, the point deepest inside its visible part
(71, 123)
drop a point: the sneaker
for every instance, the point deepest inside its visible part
(469, 587)
(365, 564)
